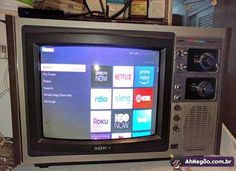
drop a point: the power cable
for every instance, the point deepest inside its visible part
(127, 5)
(103, 8)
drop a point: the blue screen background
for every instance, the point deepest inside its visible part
(69, 117)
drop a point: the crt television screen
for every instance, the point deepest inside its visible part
(98, 92)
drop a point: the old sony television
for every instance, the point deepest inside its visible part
(93, 92)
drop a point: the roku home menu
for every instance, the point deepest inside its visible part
(98, 92)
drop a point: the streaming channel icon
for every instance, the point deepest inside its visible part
(100, 99)
(123, 76)
(144, 76)
(100, 121)
(143, 98)
(122, 99)
(142, 120)
(121, 120)
(101, 76)
(100, 136)
(121, 135)
(141, 134)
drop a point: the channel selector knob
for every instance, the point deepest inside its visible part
(204, 89)
(208, 61)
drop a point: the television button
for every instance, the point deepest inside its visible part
(177, 97)
(177, 108)
(176, 128)
(174, 146)
(176, 118)
(181, 53)
(178, 86)
(182, 67)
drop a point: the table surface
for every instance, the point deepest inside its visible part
(228, 148)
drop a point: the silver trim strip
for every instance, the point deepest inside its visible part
(180, 31)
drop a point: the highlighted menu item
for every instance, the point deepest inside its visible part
(63, 67)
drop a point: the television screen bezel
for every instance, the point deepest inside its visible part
(34, 36)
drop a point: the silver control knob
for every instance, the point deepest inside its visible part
(204, 89)
(177, 97)
(181, 67)
(181, 53)
(178, 86)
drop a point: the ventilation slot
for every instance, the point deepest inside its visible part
(197, 128)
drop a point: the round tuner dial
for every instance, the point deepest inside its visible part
(205, 89)
(208, 61)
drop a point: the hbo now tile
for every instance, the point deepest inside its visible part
(121, 120)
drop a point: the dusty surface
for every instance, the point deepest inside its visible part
(6, 154)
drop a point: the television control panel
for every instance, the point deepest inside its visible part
(197, 69)
(195, 93)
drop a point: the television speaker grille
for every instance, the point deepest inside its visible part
(198, 127)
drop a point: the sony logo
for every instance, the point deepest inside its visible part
(102, 148)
